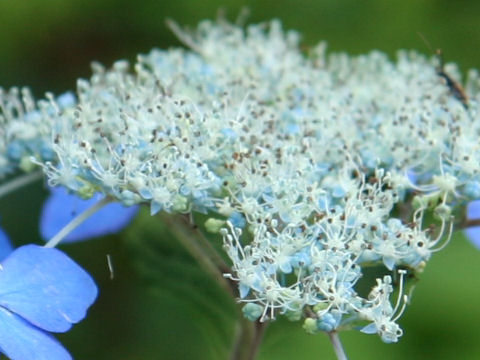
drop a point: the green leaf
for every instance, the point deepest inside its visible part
(205, 313)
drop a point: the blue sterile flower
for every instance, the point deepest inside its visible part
(5, 245)
(61, 207)
(473, 213)
(41, 290)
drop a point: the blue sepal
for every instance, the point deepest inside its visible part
(61, 207)
(370, 329)
(473, 232)
(473, 210)
(45, 287)
(5, 245)
(20, 340)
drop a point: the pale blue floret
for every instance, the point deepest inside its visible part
(128, 198)
(22, 148)
(202, 202)
(369, 329)
(369, 256)
(252, 311)
(389, 333)
(324, 202)
(243, 290)
(472, 189)
(285, 266)
(369, 158)
(329, 321)
(45, 150)
(338, 191)
(16, 150)
(237, 220)
(66, 100)
(292, 129)
(301, 259)
(156, 207)
(229, 134)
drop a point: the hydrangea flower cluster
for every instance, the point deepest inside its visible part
(311, 166)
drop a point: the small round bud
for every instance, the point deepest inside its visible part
(86, 191)
(252, 311)
(310, 326)
(26, 164)
(320, 307)
(442, 212)
(180, 203)
(213, 225)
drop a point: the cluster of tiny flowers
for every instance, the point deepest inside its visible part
(303, 161)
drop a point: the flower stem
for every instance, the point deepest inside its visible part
(209, 248)
(248, 335)
(468, 223)
(189, 240)
(248, 338)
(18, 182)
(337, 345)
(76, 221)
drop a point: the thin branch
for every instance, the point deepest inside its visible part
(18, 182)
(244, 332)
(248, 338)
(469, 223)
(260, 328)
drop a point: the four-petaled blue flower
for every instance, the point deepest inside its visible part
(61, 207)
(41, 290)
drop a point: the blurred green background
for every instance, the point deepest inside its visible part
(159, 305)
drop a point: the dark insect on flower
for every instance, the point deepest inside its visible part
(455, 88)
